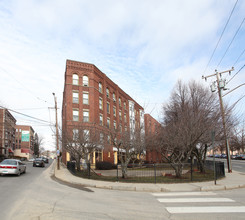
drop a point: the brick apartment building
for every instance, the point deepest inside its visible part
(151, 127)
(24, 141)
(90, 98)
(7, 133)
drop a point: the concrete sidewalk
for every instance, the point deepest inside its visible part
(232, 180)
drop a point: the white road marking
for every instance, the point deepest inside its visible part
(193, 200)
(184, 194)
(213, 209)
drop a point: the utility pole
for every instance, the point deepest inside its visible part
(57, 134)
(221, 86)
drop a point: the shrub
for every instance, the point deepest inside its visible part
(104, 165)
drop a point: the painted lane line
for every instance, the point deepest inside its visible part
(184, 194)
(193, 200)
(213, 209)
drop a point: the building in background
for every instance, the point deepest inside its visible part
(24, 139)
(152, 126)
(7, 134)
(90, 98)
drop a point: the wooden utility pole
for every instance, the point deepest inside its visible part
(57, 134)
(221, 86)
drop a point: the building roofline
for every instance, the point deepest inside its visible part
(94, 66)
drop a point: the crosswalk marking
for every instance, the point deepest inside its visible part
(206, 209)
(184, 194)
(193, 200)
(197, 197)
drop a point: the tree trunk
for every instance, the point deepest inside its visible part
(124, 170)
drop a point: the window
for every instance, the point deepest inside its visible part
(108, 108)
(125, 128)
(101, 103)
(101, 138)
(75, 97)
(120, 128)
(108, 122)
(85, 98)
(86, 135)
(114, 97)
(125, 117)
(75, 115)
(109, 154)
(75, 79)
(107, 93)
(85, 116)
(75, 134)
(85, 81)
(120, 115)
(114, 111)
(101, 119)
(100, 87)
(108, 139)
(115, 125)
(124, 104)
(120, 102)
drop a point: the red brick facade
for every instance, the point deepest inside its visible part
(7, 133)
(90, 95)
(151, 126)
(24, 138)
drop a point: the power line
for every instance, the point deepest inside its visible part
(25, 115)
(230, 43)
(236, 73)
(220, 36)
(239, 57)
(23, 86)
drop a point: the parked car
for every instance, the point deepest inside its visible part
(233, 157)
(223, 156)
(239, 157)
(12, 166)
(38, 162)
(45, 159)
(31, 160)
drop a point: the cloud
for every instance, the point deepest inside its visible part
(143, 46)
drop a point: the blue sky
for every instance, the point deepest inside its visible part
(143, 46)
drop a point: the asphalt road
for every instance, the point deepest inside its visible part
(38, 196)
(237, 165)
(12, 187)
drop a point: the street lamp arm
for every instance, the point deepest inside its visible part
(233, 89)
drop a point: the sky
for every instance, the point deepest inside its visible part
(144, 46)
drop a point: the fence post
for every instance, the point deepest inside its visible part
(191, 170)
(117, 171)
(155, 173)
(215, 176)
(88, 167)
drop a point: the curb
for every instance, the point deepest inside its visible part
(193, 188)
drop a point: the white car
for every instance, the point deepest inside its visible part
(12, 166)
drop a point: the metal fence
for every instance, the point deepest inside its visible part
(153, 173)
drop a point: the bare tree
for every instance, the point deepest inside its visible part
(237, 139)
(187, 121)
(38, 142)
(83, 141)
(129, 144)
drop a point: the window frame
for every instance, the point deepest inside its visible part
(75, 80)
(75, 116)
(85, 99)
(85, 116)
(100, 87)
(85, 81)
(75, 98)
(100, 103)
